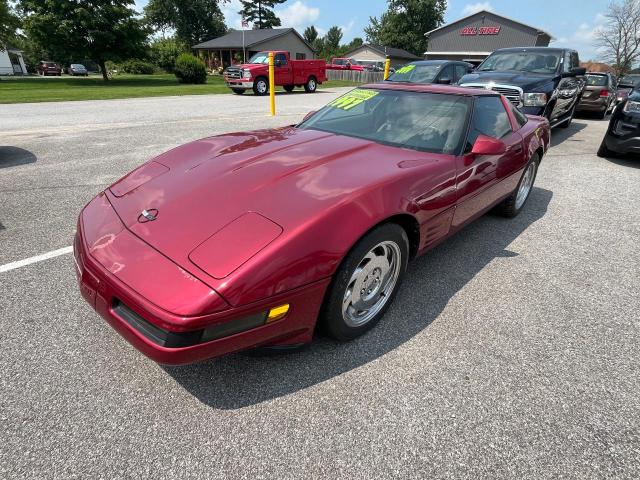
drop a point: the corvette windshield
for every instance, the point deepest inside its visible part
(534, 62)
(422, 121)
(413, 73)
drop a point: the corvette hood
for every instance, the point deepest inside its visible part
(204, 195)
(529, 82)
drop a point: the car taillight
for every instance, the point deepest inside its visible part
(604, 93)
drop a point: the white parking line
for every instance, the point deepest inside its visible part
(36, 259)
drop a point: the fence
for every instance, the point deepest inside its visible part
(355, 76)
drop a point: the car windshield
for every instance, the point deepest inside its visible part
(422, 121)
(50, 64)
(535, 62)
(596, 80)
(416, 73)
(339, 61)
(77, 65)
(260, 58)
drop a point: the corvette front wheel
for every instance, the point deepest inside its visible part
(366, 283)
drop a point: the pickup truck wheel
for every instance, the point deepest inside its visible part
(513, 204)
(311, 85)
(261, 86)
(289, 88)
(238, 91)
(366, 283)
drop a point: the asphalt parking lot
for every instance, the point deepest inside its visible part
(512, 350)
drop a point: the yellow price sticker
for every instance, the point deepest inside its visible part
(353, 98)
(406, 69)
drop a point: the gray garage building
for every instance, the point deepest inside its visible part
(474, 37)
(230, 48)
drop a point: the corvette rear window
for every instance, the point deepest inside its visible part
(428, 122)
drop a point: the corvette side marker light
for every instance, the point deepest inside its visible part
(277, 313)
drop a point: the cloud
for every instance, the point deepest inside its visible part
(472, 8)
(231, 16)
(298, 15)
(583, 38)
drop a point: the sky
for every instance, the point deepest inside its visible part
(571, 22)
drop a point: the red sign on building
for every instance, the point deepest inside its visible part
(493, 30)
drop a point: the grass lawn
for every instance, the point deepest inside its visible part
(53, 89)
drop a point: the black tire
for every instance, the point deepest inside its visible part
(257, 86)
(507, 208)
(602, 115)
(238, 91)
(604, 152)
(289, 88)
(312, 85)
(331, 318)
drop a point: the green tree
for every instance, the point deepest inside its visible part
(9, 23)
(332, 40)
(260, 12)
(194, 21)
(405, 22)
(355, 43)
(164, 51)
(100, 30)
(310, 34)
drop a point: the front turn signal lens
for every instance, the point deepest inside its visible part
(277, 313)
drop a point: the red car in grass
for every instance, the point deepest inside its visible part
(48, 68)
(255, 238)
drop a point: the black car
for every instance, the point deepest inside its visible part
(431, 71)
(539, 80)
(623, 134)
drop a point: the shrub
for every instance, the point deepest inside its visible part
(190, 69)
(138, 67)
(164, 51)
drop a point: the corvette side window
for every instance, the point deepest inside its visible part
(489, 118)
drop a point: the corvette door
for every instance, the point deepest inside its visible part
(479, 176)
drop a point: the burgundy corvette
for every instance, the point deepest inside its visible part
(255, 238)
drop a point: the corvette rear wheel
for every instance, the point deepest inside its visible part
(514, 203)
(366, 283)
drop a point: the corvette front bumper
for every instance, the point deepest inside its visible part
(150, 322)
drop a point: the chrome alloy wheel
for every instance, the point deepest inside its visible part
(261, 86)
(312, 84)
(371, 284)
(526, 184)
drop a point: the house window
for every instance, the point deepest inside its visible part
(301, 56)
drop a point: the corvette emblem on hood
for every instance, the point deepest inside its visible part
(148, 215)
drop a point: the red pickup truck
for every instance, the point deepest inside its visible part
(344, 64)
(288, 74)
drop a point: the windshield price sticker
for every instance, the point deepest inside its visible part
(353, 98)
(406, 69)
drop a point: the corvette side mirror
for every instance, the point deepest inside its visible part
(309, 115)
(485, 145)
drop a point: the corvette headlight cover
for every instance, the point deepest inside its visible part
(535, 99)
(632, 107)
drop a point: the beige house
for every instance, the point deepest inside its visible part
(238, 45)
(372, 53)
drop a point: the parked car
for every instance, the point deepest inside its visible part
(623, 134)
(48, 68)
(446, 72)
(540, 80)
(371, 66)
(254, 75)
(312, 223)
(625, 85)
(599, 94)
(344, 64)
(77, 69)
